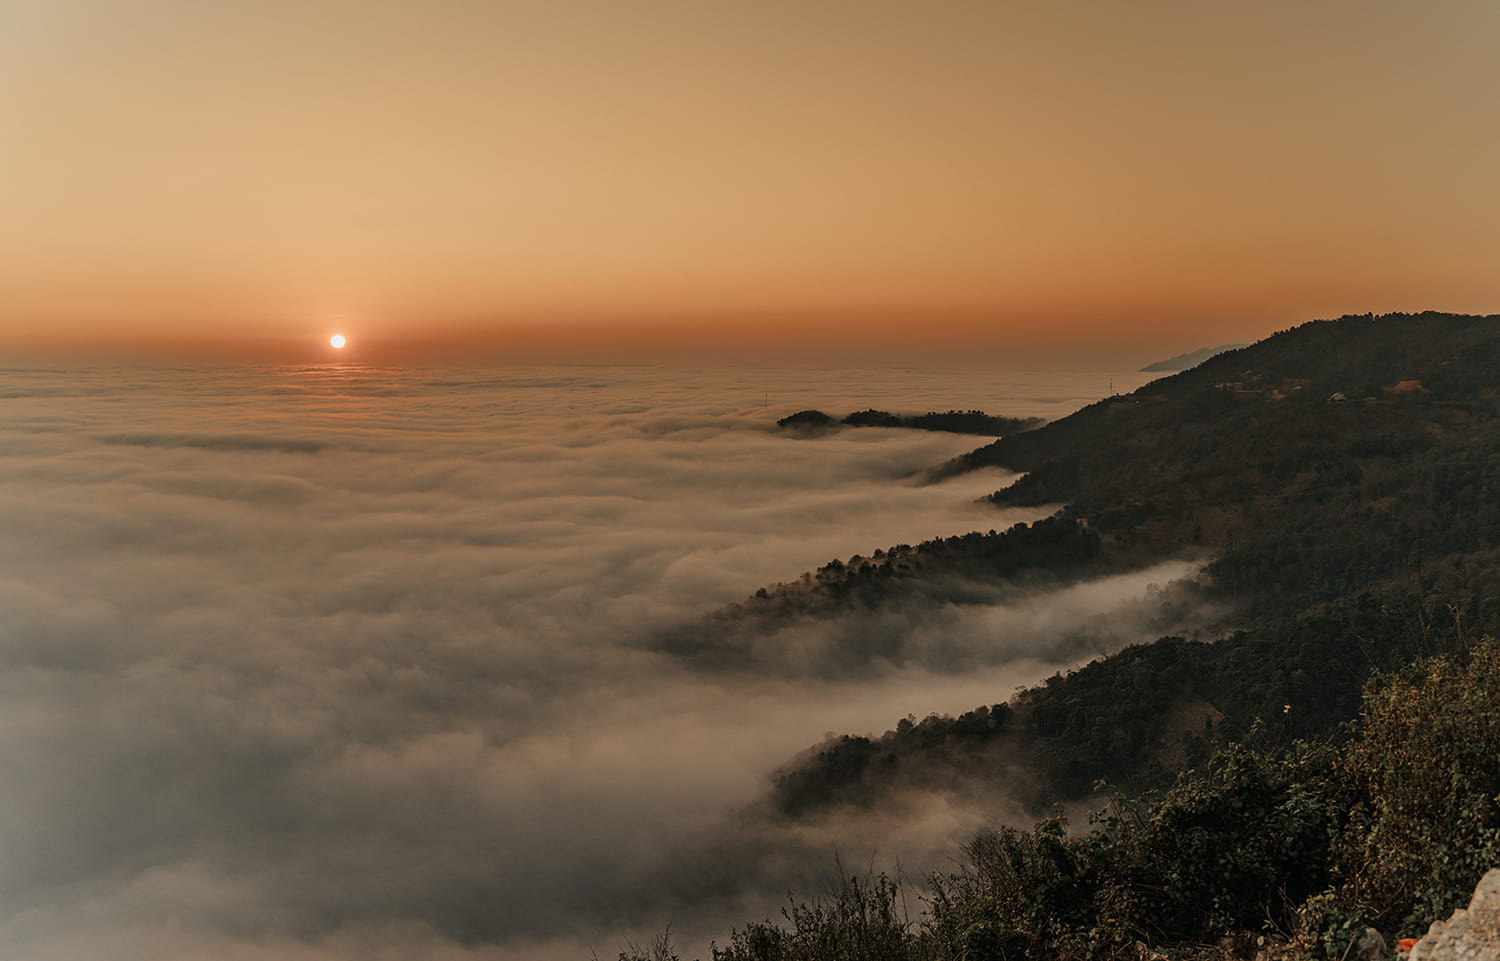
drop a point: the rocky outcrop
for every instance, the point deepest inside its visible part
(1470, 935)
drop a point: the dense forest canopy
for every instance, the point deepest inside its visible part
(951, 421)
(1344, 478)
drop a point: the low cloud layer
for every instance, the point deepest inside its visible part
(338, 663)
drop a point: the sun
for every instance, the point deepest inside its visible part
(337, 340)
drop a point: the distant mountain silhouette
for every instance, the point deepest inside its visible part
(952, 421)
(807, 419)
(1189, 360)
(1324, 763)
(1341, 480)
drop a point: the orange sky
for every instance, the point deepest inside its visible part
(458, 178)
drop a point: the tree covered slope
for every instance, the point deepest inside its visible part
(1346, 477)
(1327, 764)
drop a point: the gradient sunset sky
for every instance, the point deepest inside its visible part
(448, 179)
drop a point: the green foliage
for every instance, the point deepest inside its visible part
(861, 921)
(944, 570)
(1138, 717)
(952, 421)
(1427, 769)
(1023, 895)
(1314, 840)
(1233, 846)
(1351, 537)
(1279, 485)
(1327, 924)
(970, 422)
(857, 770)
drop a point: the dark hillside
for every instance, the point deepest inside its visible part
(1351, 534)
(1327, 765)
(1323, 460)
(951, 421)
(966, 569)
(1456, 358)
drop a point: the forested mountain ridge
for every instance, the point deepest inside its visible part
(1333, 763)
(1346, 477)
(971, 568)
(1443, 358)
(952, 421)
(1323, 460)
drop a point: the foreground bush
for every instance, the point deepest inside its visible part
(1427, 772)
(1390, 827)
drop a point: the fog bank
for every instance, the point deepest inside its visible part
(340, 663)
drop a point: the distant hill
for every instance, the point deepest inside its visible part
(1189, 360)
(952, 421)
(807, 420)
(1339, 473)
(1342, 476)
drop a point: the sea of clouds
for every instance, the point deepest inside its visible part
(353, 663)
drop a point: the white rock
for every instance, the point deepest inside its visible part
(1470, 935)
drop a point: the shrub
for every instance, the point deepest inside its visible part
(1427, 767)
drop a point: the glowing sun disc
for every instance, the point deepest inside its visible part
(337, 340)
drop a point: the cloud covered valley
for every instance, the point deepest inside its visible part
(337, 663)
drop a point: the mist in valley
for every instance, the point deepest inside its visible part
(338, 663)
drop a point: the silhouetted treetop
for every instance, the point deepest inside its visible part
(952, 421)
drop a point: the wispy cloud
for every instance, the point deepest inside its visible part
(314, 665)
